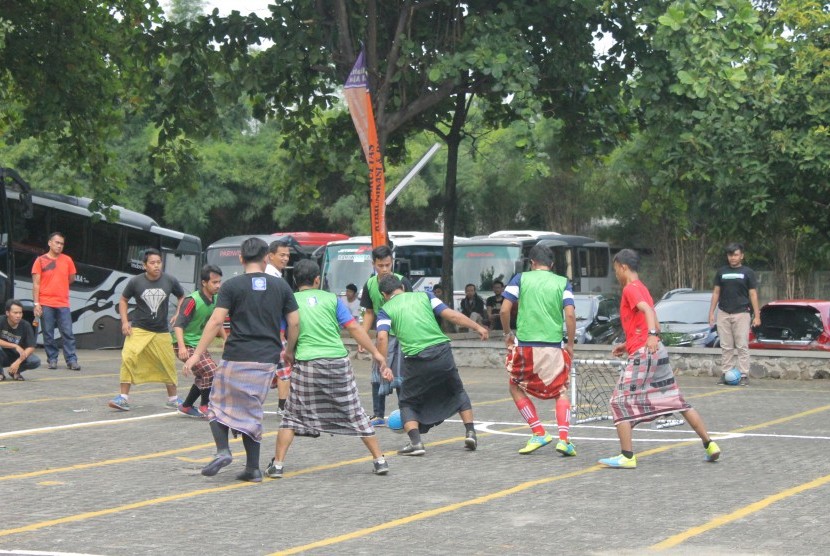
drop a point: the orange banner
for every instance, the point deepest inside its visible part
(356, 91)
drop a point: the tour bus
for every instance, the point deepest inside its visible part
(106, 255)
(499, 256)
(11, 179)
(224, 253)
(418, 256)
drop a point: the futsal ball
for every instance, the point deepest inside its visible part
(394, 421)
(732, 377)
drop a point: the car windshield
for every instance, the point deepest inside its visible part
(584, 307)
(226, 258)
(682, 311)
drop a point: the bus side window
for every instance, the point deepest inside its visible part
(103, 247)
(137, 242)
(180, 265)
(30, 238)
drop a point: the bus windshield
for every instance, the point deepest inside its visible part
(226, 258)
(481, 264)
(345, 264)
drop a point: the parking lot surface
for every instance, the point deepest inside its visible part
(78, 477)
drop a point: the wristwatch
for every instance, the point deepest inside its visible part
(653, 332)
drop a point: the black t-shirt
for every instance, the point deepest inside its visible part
(152, 300)
(23, 336)
(493, 307)
(256, 304)
(735, 284)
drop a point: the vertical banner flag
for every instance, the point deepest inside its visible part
(356, 91)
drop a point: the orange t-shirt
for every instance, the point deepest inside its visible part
(54, 279)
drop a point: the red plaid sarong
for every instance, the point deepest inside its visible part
(283, 370)
(646, 389)
(203, 369)
(542, 372)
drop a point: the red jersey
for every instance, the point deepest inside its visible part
(633, 320)
(54, 279)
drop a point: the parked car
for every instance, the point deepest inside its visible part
(684, 319)
(801, 324)
(597, 318)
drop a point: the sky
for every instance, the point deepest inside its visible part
(259, 7)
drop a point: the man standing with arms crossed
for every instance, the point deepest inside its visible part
(52, 274)
(734, 294)
(536, 361)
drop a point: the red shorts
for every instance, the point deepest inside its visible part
(542, 372)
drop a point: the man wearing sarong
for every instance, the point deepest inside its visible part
(536, 362)
(647, 388)
(279, 254)
(255, 302)
(431, 390)
(372, 301)
(146, 356)
(324, 396)
(187, 331)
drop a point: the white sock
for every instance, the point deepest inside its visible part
(172, 398)
(381, 459)
(125, 396)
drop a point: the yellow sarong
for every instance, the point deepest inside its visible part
(147, 357)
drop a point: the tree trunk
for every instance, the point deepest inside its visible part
(453, 140)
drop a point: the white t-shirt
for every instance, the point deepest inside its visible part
(272, 270)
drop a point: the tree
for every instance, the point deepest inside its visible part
(69, 74)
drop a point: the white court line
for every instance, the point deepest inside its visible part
(41, 553)
(484, 426)
(84, 424)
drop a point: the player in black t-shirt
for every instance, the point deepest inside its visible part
(256, 302)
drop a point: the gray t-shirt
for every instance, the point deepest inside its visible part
(152, 300)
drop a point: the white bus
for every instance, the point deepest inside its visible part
(481, 260)
(106, 255)
(418, 256)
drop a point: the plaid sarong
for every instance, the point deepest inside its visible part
(646, 389)
(394, 359)
(542, 372)
(203, 369)
(324, 398)
(146, 357)
(239, 390)
(283, 370)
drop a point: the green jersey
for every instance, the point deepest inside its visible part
(411, 317)
(193, 316)
(321, 316)
(542, 296)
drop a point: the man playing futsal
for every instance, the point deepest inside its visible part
(647, 388)
(536, 361)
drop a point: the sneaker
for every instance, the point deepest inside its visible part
(412, 449)
(190, 412)
(377, 421)
(275, 471)
(52, 365)
(219, 461)
(73, 366)
(471, 441)
(566, 448)
(535, 443)
(173, 404)
(250, 476)
(118, 402)
(744, 380)
(380, 467)
(712, 452)
(620, 462)
(203, 409)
